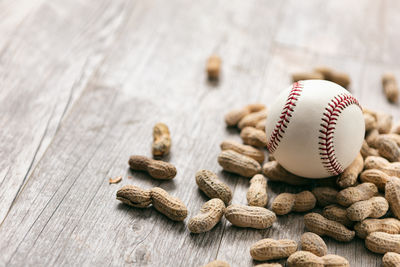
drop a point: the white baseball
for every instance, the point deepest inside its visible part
(315, 128)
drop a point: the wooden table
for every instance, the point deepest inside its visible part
(83, 82)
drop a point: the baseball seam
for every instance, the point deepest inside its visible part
(286, 114)
(328, 126)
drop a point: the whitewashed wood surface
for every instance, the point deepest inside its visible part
(83, 82)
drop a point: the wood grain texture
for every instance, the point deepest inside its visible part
(83, 83)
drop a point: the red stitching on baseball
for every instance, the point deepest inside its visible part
(328, 125)
(284, 119)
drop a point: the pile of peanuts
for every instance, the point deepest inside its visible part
(364, 200)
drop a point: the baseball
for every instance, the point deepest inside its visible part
(315, 128)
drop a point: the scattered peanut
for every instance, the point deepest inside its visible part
(271, 249)
(350, 195)
(388, 148)
(134, 196)
(390, 87)
(337, 214)
(252, 119)
(350, 174)
(374, 207)
(366, 150)
(155, 168)
(377, 177)
(168, 205)
(370, 122)
(392, 169)
(213, 67)
(275, 172)
(254, 137)
(384, 122)
(387, 225)
(298, 76)
(217, 263)
(313, 243)
(233, 117)
(286, 202)
(307, 259)
(246, 150)
(269, 265)
(232, 161)
(261, 125)
(391, 259)
(380, 242)
(396, 128)
(210, 214)
(325, 195)
(250, 216)
(162, 140)
(209, 183)
(329, 74)
(257, 193)
(392, 136)
(392, 194)
(371, 137)
(318, 224)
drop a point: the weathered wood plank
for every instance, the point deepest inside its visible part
(43, 70)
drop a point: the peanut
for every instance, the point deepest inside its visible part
(232, 161)
(392, 136)
(251, 120)
(307, 259)
(257, 193)
(350, 174)
(254, 137)
(337, 214)
(233, 117)
(370, 122)
(213, 67)
(371, 137)
(392, 169)
(168, 205)
(250, 216)
(384, 122)
(377, 177)
(134, 196)
(313, 243)
(155, 168)
(210, 214)
(261, 125)
(350, 195)
(366, 150)
(380, 242)
(209, 183)
(396, 128)
(269, 265)
(298, 76)
(325, 195)
(246, 150)
(329, 74)
(374, 207)
(217, 263)
(387, 225)
(392, 194)
(390, 87)
(286, 202)
(270, 249)
(388, 148)
(318, 224)
(275, 172)
(162, 140)
(391, 259)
